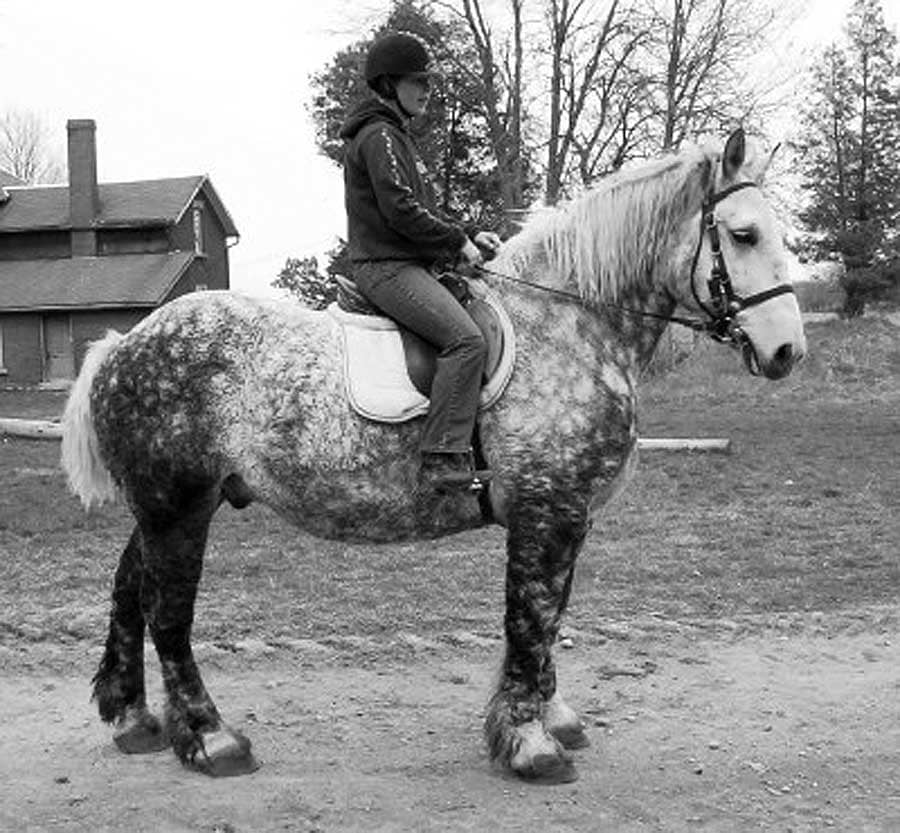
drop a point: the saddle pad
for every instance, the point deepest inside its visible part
(375, 376)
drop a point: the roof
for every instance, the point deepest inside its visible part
(141, 280)
(152, 202)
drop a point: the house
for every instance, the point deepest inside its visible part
(79, 259)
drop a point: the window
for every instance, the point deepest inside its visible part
(197, 212)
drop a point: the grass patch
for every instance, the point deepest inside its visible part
(32, 403)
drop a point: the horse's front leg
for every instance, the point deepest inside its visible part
(528, 723)
(560, 719)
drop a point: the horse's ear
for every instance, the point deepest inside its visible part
(733, 158)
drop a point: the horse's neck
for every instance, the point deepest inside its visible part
(626, 328)
(633, 323)
(635, 320)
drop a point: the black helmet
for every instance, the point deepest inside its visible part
(398, 53)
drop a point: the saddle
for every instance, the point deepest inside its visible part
(388, 370)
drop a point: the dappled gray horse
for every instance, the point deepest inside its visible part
(218, 397)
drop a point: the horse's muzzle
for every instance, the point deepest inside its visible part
(777, 367)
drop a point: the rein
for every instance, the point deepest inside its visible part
(571, 296)
(724, 302)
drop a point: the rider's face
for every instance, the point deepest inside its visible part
(414, 93)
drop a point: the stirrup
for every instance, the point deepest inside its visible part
(448, 473)
(473, 481)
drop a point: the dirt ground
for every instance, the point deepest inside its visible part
(785, 728)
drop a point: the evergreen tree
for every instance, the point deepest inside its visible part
(850, 152)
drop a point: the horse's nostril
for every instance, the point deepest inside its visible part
(784, 355)
(782, 362)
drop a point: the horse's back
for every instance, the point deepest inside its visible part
(228, 317)
(224, 332)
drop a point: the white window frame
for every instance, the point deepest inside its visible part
(197, 220)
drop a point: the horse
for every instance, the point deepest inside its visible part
(218, 397)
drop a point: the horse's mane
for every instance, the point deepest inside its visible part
(614, 235)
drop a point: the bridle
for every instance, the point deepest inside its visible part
(724, 303)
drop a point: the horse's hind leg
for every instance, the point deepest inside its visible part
(174, 542)
(526, 708)
(119, 682)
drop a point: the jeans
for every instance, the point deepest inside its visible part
(407, 292)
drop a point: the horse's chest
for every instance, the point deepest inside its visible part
(609, 442)
(619, 469)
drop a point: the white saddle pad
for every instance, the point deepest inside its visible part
(377, 383)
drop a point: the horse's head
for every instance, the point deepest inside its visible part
(738, 274)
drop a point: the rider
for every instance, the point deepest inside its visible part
(396, 234)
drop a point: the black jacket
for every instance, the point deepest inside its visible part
(391, 211)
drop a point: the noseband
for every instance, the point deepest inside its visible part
(724, 303)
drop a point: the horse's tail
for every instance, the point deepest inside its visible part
(87, 474)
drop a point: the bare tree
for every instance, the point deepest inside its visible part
(25, 148)
(595, 107)
(498, 81)
(587, 85)
(703, 50)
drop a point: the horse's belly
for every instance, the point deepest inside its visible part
(383, 506)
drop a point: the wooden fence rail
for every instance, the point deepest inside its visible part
(41, 429)
(32, 429)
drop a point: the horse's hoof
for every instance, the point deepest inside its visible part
(139, 732)
(571, 737)
(224, 753)
(550, 769)
(540, 758)
(562, 721)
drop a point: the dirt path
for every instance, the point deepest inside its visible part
(772, 732)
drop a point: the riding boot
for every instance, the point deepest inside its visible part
(452, 472)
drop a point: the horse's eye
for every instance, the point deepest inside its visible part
(745, 236)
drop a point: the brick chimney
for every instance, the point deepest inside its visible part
(84, 195)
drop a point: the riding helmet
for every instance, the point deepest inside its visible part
(398, 53)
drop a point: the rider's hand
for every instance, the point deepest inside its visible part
(488, 241)
(470, 254)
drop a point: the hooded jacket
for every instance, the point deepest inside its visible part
(391, 211)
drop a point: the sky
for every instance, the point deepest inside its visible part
(185, 87)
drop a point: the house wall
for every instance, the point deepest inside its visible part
(215, 248)
(90, 325)
(21, 348)
(198, 276)
(35, 245)
(132, 241)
